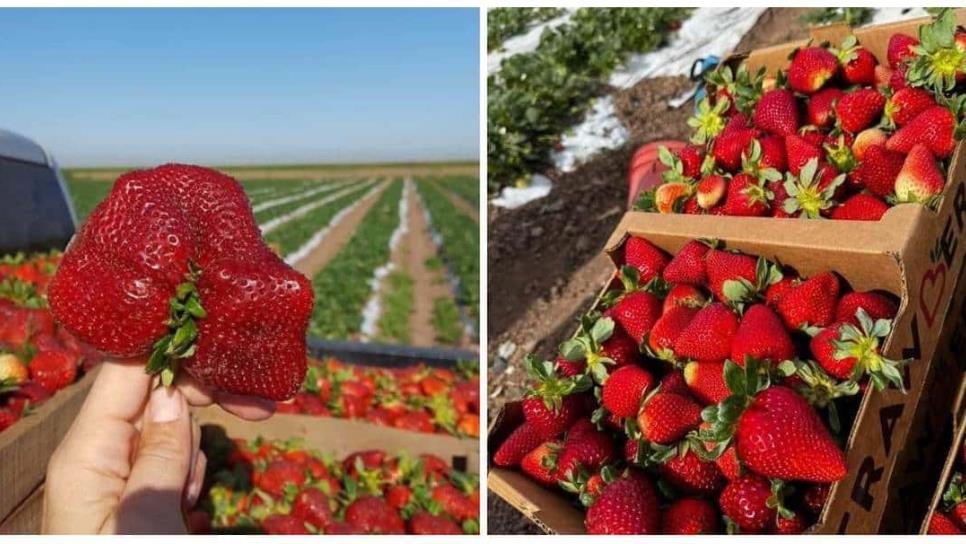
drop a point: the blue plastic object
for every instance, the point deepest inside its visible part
(701, 67)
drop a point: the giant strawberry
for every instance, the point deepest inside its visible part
(172, 265)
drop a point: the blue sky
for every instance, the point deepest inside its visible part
(217, 86)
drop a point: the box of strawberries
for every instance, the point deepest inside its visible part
(45, 374)
(947, 510)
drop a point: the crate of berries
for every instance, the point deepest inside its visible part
(309, 483)
(45, 374)
(855, 126)
(726, 380)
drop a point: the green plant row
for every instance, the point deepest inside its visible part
(396, 305)
(466, 187)
(446, 321)
(535, 97)
(290, 236)
(264, 190)
(342, 288)
(460, 247)
(301, 198)
(504, 23)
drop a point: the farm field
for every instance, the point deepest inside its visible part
(393, 256)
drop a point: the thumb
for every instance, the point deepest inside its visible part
(152, 498)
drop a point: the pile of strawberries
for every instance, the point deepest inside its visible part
(415, 398)
(37, 357)
(950, 516)
(838, 135)
(282, 488)
(704, 394)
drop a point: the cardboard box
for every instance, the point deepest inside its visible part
(914, 253)
(26, 446)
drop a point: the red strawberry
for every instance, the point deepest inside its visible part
(848, 351)
(520, 442)
(860, 207)
(724, 266)
(398, 496)
(636, 312)
(312, 506)
(876, 305)
(858, 65)
(906, 104)
(799, 152)
(941, 524)
(278, 475)
(781, 436)
(729, 146)
(920, 179)
(820, 107)
(811, 302)
(811, 68)
(541, 463)
(883, 75)
(691, 157)
(424, 523)
(761, 335)
(898, 78)
(621, 348)
(181, 242)
(667, 417)
(7, 418)
(673, 382)
(935, 128)
(747, 196)
(778, 289)
(877, 171)
(709, 335)
(815, 497)
(585, 448)
(667, 330)
(624, 389)
(859, 109)
(371, 515)
(773, 153)
(745, 500)
(690, 516)
(53, 370)
(627, 506)
(648, 259)
(281, 524)
(690, 474)
(709, 191)
(794, 525)
(706, 381)
(866, 139)
(549, 418)
(687, 266)
(455, 502)
(683, 295)
(777, 112)
(899, 49)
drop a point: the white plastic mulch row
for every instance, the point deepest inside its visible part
(297, 196)
(523, 43)
(373, 308)
(273, 224)
(263, 193)
(320, 235)
(454, 282)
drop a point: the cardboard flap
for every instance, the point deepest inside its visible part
(833, 33)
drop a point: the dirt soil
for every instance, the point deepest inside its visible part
(415, 248)
(338, 236)
(544, 258)
(460, 204)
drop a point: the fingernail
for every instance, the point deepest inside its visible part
(166, 404)
(194, 488)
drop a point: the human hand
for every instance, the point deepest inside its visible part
(131, 462)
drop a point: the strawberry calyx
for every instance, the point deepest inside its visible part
(741, 87)
(848, 51)
(955, 492)
(938, 62)
(741, 291)
(863, 343)
(709, 121)
(722, 418)
(751, 165)
(777, 499)
(840, 155)
(675, 167)
(179, 343)
(587, 345)
(549, 386)
(806, 196)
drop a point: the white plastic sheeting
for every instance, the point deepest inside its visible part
(317, 238)
(600, 130)
(523, 43)
(373, 307)
(281, 201)
(514, 197)
(273, 224)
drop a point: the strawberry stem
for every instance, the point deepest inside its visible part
(179, 343)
